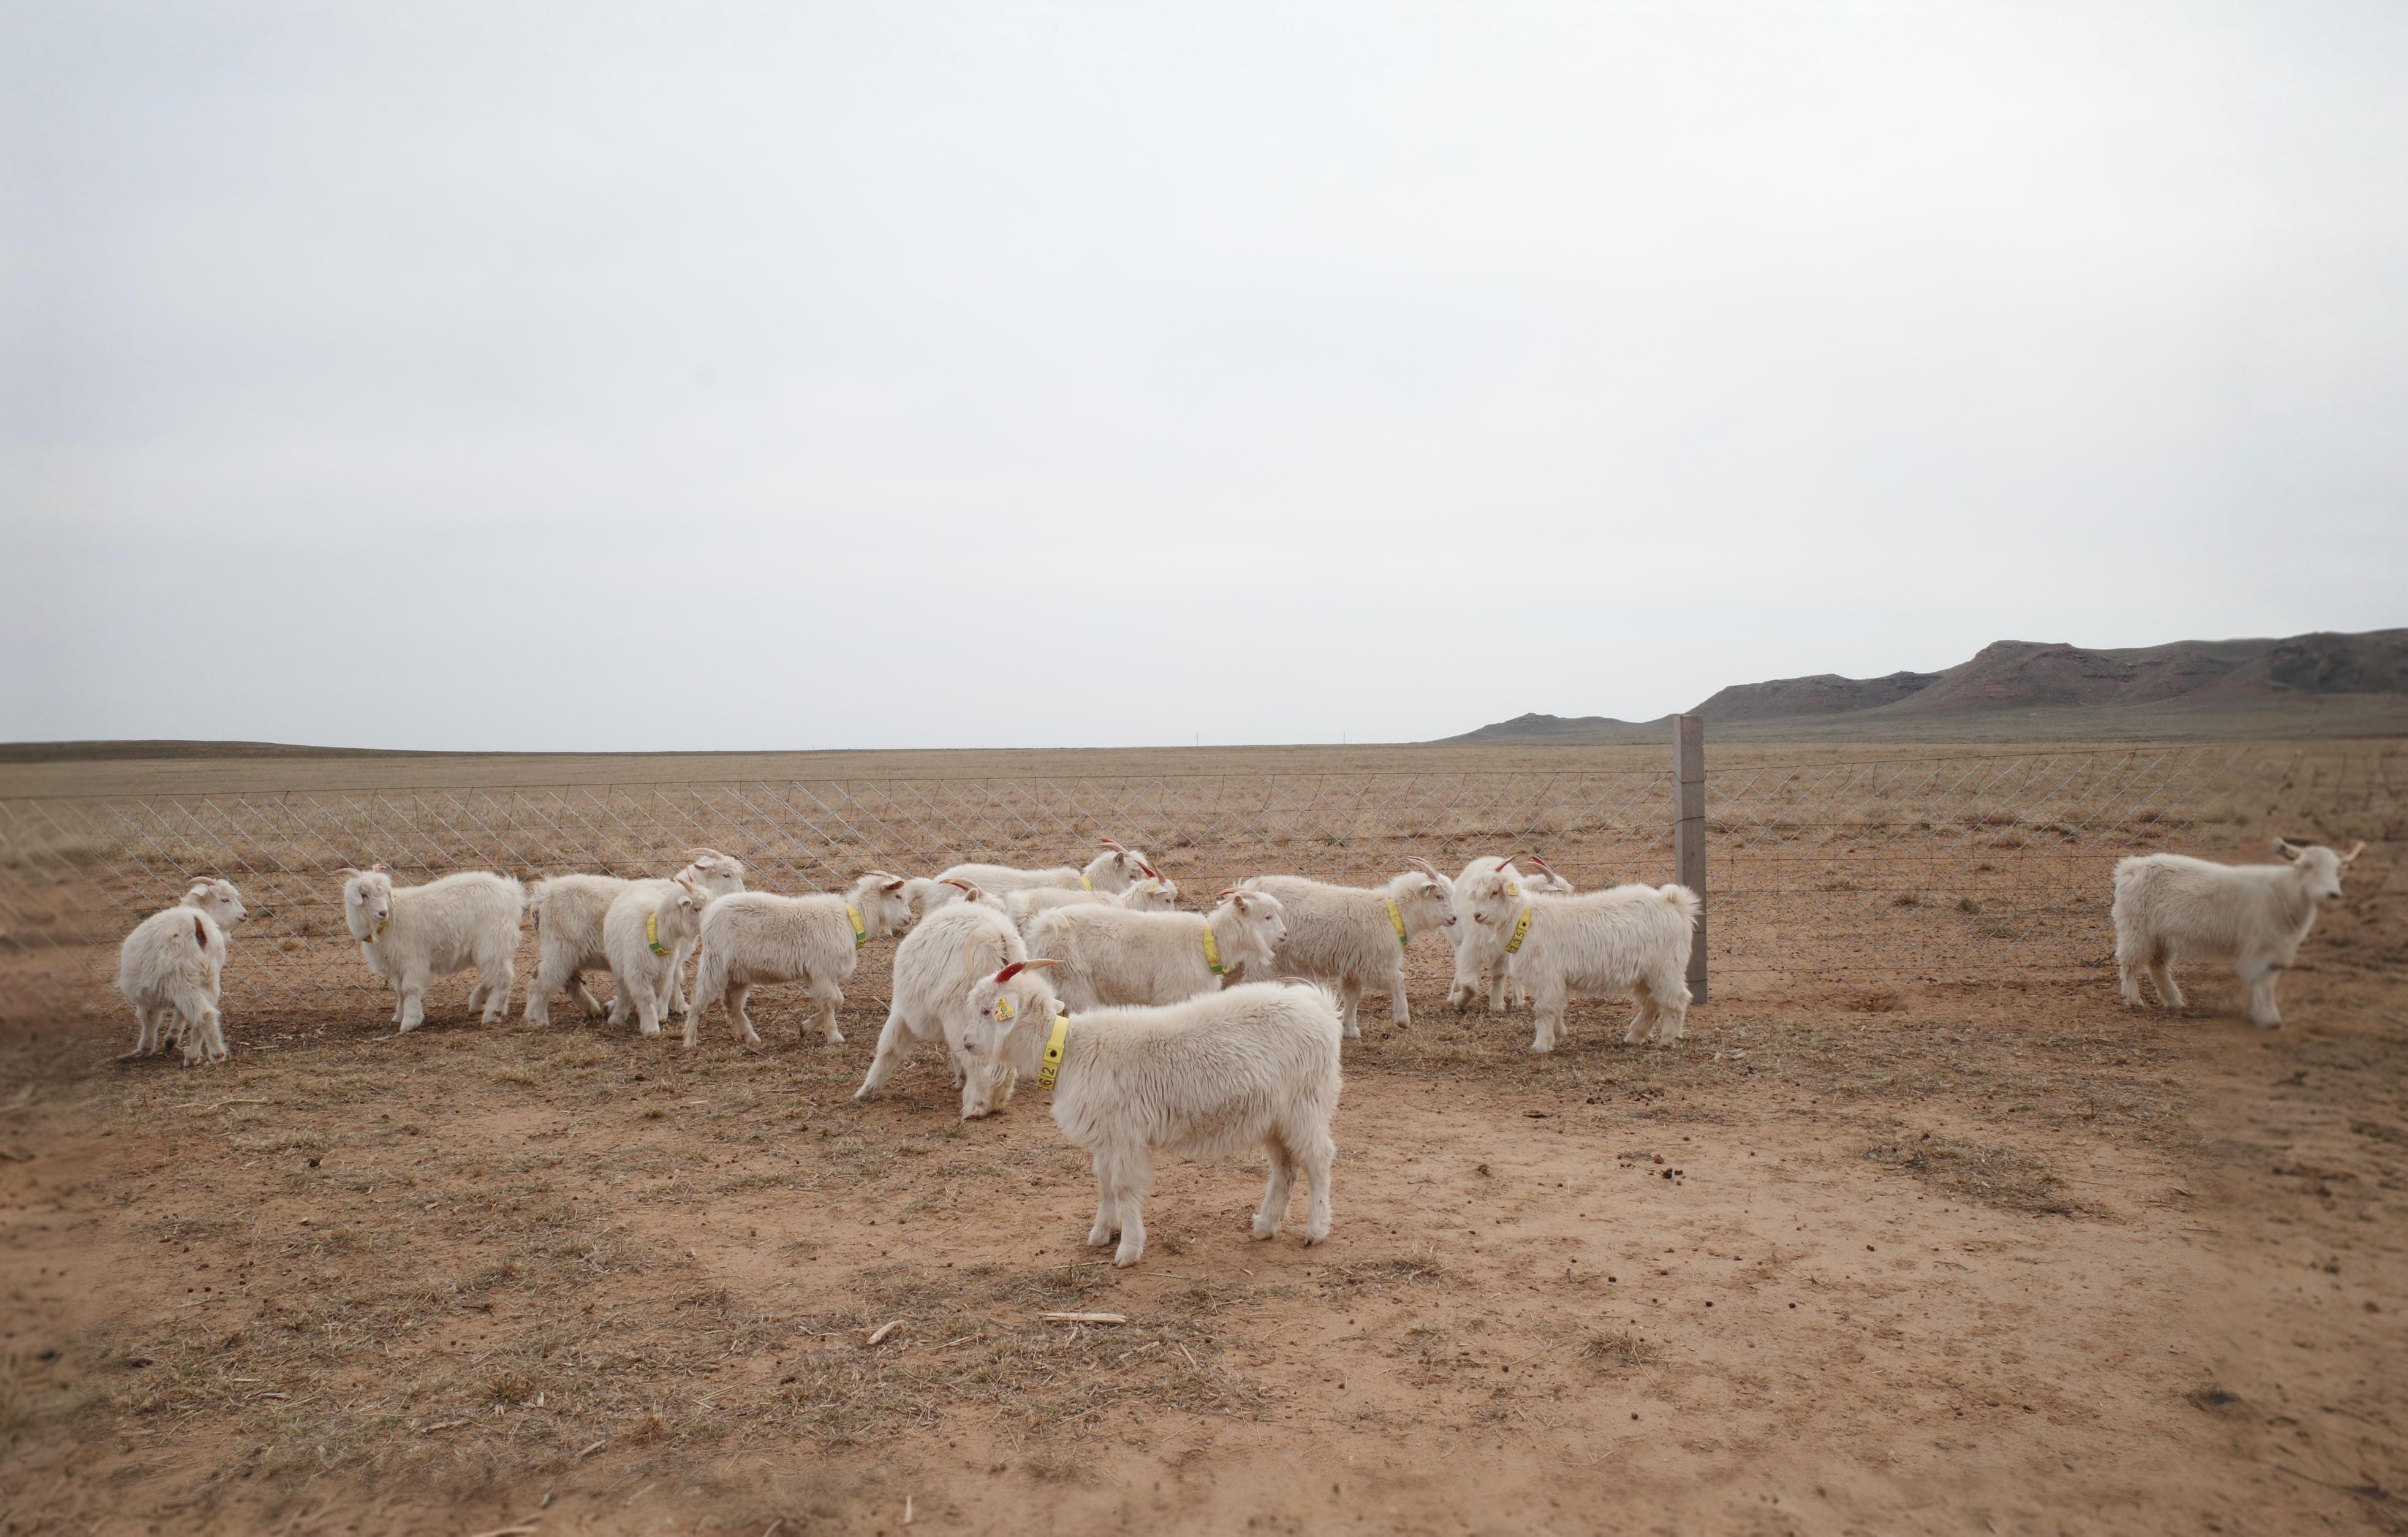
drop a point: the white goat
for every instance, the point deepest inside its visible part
(646, 935)
(1480, 952)
(755, 937)
(171, 968)
(410, 935)
(1150, 894)
(1355, 937)
(1111, 956)
(1111, 870)
(935, 967)
(1250, 1064)
(1624, 939)
(568, 912)
(2170, 905)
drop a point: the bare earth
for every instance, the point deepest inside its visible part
(1978, 1258)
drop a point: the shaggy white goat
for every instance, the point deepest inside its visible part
(1355, 937)
(935, 967)
(171, 968)
(410, 935)
(1111, 870)
(645, 935)
(568, 912)
(1480, 952)
(2170, 905)
(1149, 894)
(1111, 956)
(1624, 939)
(1250, 1064)
(755, 937)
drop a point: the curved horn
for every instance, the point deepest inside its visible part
(1156, 874)
(2355, 850)
(1009, 972)
(963, 886)
(1542, 864)
(1111, 843)
(1042, 965)
(379, 868)
(1425, 866)
(350, 869)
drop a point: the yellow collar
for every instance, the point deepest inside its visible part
(1397, 921)
(1053, 1044)
(860, 930)
(653, 933)
(1521, 932)
(1212, 949)
(1085, 885)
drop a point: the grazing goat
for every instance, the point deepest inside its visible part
(1625, 939)
(935, 967)
(1150, 894)
(2170, 905)
(1250, 1064)
(1111, 956)
(645, 936)
(756, 937)
(1480, 951)
(410, 935)
(568, 911)
(171, 969)
(1355, 937)
(1110, 872)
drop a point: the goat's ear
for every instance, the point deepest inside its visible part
(894, 885)
(200, 935)
(2355, 850)
(2287, 849)
(378, 869)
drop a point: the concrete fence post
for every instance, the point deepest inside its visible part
(1690, 833)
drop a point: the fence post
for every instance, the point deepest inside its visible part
(1690, 833)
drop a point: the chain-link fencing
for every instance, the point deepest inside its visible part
(1821, 874)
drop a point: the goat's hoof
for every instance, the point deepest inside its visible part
(1265, 1228)
(1127, 1256)
(1098, 1237)
(1312, 1238)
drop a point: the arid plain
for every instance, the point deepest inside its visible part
(1982, 1253)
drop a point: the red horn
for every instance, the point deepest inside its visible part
(1009, 971)
(1149, 869)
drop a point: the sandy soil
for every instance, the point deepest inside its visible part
(1997, 1259)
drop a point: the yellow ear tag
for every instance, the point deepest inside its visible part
(1003, 1008)
(1512, 888)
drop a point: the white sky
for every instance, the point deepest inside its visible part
(997, 375)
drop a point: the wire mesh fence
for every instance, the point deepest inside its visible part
(1826, 874)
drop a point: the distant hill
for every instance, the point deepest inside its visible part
(2319, 685)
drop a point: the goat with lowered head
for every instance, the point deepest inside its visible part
(171, 969)
(2170, 905)
(756, 937)
(1480, 951)
(934, 968)
(1108, 871)
(568, 911)
(1111, 955)
(410, 935)
(1149, 894)
(1251, 1065)
(1630, 939)
(1355, 937)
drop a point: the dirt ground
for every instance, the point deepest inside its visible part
(1980, 1259)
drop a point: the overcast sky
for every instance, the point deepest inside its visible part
(577, 376)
